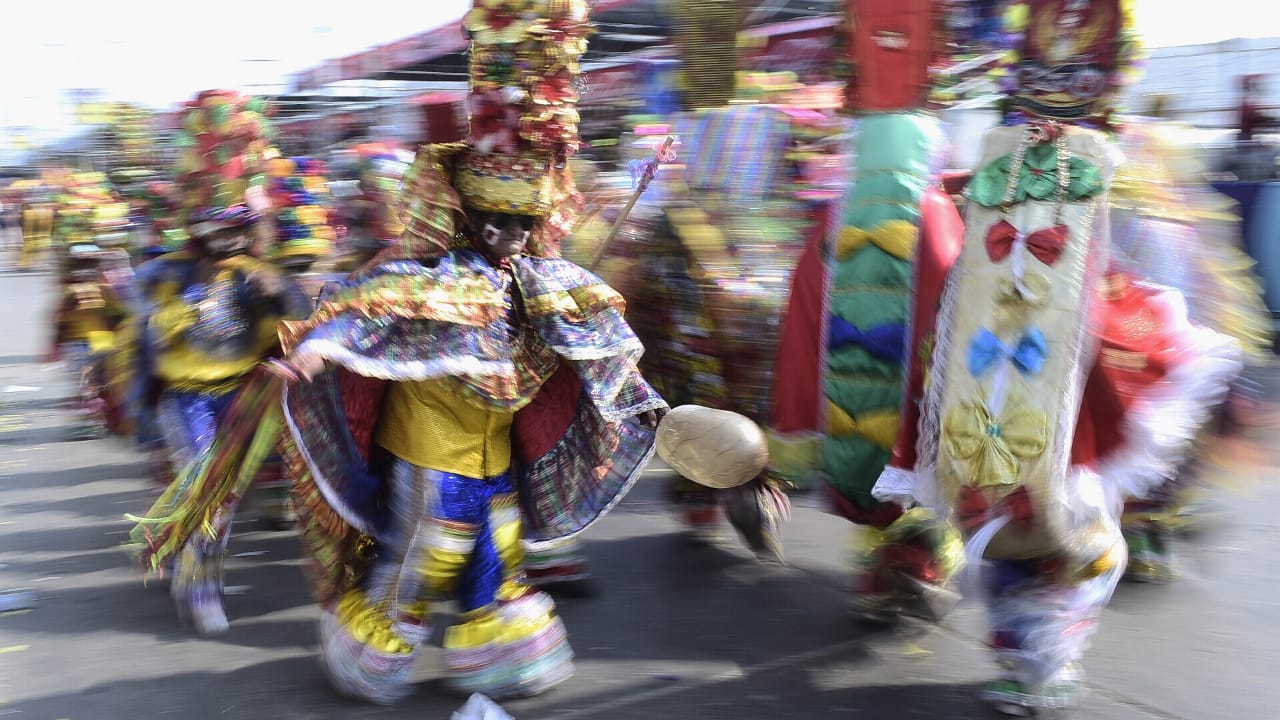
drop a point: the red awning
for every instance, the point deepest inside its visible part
(351, 67)
(373, 61)
(420, 48)
(608, 84)
(427, 46)
(413, 50)
(793, 27)
(804, 47)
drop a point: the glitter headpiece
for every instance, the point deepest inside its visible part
(523, 102)
(226, 141)
(523, 106)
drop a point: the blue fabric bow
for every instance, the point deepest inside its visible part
(886, 341)
(1028, 355)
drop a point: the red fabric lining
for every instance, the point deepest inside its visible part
(941, 238)
(541, 424)
(881, 517)
(362, 400)
(796, 395)
(1098, 431)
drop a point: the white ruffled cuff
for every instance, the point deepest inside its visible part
(907, 488)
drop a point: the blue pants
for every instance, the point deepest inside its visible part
(190, 420)
(460, 535)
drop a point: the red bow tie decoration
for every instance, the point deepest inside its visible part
(1045, 244)
(974, 511)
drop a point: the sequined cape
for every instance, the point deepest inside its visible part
(567, 370)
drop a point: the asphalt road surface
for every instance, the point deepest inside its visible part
(677, 631)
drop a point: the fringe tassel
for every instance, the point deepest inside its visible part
(190, 504)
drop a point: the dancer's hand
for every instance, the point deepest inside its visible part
(307, 364)
(650, 419)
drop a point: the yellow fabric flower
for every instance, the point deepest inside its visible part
(994, 447)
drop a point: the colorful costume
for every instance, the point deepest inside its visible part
(37, 224)
(895, 215)
(210, 320)
(96, 274)
(876, 292)
(1023, 440)
(473, 399)
(85, 319)
(366, 202)
(1171, 231)
(301, 208)
(708, 256)
(299, 218)
(208, 316)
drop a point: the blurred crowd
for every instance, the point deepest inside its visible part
(441, 364)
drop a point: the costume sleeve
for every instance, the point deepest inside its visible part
(408, 321)
(1160, 425)
(581, 318)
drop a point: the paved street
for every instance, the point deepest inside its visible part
(678, 631)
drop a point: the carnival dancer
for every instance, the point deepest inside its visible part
(89, 311)
(709, 352)
(867, 311)
(209, 315)
(213, 312)
(37, 224)
(1024, 440)
(94, 276)
(1171, 232)
(1170, 375)
(468, 390)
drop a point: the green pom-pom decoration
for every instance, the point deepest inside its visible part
(219, 115)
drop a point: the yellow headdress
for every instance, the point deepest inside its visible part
(523, 108)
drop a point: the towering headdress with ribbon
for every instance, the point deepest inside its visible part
(523, 129)
(225, 141)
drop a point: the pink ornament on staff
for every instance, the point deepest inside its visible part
(662, 153)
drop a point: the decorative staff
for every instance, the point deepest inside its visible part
(662, 154)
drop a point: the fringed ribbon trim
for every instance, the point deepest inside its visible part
(332, 544)
(575, 304)
(243, 443)
(471, 301)
(565, 212)
(429, 206)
